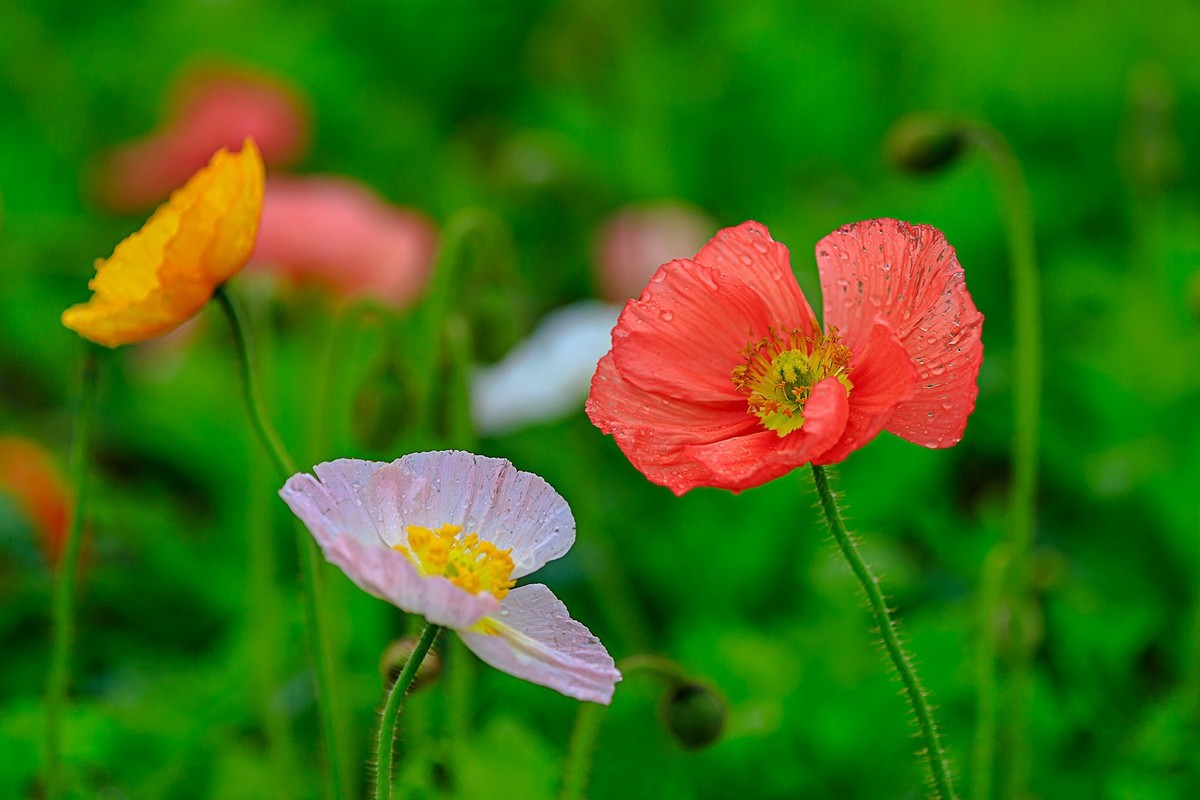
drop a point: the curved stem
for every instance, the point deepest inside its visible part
(318, 626)
(934, 755)
(391, 711)
(63, 608)
(251, 393)
(1027, 392)
(658, 666)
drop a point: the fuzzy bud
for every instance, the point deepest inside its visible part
(396, 656)
(694, 714)
(924, 143)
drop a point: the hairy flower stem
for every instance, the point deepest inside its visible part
(1027, 392)
(63, 608)
(934, 755)
(391, 711)
(318, 627)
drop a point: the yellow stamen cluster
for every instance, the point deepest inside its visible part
(466, 561)
(781, 370)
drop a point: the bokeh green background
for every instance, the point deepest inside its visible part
(771, 111)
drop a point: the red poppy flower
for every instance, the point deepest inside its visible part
(719, 374)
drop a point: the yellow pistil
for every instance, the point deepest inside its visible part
(781, 370)
(466, 561)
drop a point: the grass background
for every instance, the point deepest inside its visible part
(771, 111)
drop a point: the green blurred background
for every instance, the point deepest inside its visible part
(771, 111)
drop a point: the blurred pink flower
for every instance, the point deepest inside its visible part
(634, 242)
(446, 535)
(209, 108)
(340, 234)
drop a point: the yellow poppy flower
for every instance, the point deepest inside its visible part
(159, 277)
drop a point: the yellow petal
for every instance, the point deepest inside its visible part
(159, 277)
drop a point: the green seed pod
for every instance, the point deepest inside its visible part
(694, 714)
(924, 143)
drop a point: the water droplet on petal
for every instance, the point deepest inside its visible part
(667, 315)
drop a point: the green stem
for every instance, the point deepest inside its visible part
(662, 667)
(1027, 392)
(63, 608)
(322, 651)
(265, 636)
(581, 751)
(990, 606)
(934, 755)
(387, 724)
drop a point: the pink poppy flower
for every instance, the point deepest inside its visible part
(340, 234)
(445, 535)
(210, 108)
(632, 244)
(719, 374)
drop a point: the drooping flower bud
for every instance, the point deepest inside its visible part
(694, 714)
(396, 655)
(923, 143)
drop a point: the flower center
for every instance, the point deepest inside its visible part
(781, 370)
(466, 561)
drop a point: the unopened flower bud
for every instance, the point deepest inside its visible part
(694, 714)
(923, 143)
(396, 656)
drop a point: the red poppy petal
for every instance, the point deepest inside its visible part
(912, 275)
(746, 461)
(883, 378)
(684, 335)
(764, 265)
(653, 431)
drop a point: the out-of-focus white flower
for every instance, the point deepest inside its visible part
(547, 376)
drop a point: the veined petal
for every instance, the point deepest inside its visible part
(381, 571)
(884, 378)
(159, 277)
(743, 462)
(536, 640)
(487, 496)
(911, 275)
(763, 264)
(349, 531)
(654, 431)
(684, 335)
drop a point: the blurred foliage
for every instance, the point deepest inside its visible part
(552, 116)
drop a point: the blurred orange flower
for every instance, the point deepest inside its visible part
(30, 475)
(162, 275)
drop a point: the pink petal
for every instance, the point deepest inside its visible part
(749, 252)
(210, 108)
(684, 335)
(384, 573)
(654, 431)
(487, 496)
(912, 275)
(746, 461)
(538, 641)
(637, 240)
(353, 537)
(340, 234)
(883, 378)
